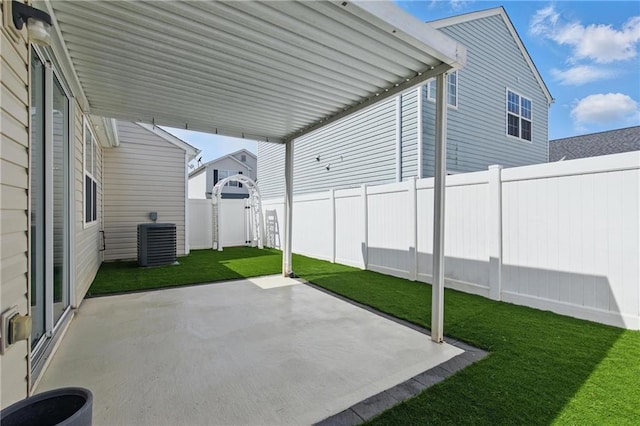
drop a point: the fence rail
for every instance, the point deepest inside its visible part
(562, 236)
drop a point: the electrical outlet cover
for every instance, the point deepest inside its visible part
(4, 327)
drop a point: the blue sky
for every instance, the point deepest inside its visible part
(586, 52)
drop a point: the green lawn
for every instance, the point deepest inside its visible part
(543, 368)
(201, 266)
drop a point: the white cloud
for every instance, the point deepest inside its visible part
(453, 4)
(598, 42)
(459, 4)
(581, 74)
(605, 108)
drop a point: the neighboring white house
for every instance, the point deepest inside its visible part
(145, 173)
(204, 177)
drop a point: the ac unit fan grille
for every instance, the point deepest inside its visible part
(156, 244)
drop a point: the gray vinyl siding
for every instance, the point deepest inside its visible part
(14, 183)
(87, 237)
(360, 149)
(270, 170)
(144, 173)
(409, 135)
(476, 129)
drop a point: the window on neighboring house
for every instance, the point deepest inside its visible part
(90, 173)
(452, 89)
(243, 158)
(518, 116)
(223, 174)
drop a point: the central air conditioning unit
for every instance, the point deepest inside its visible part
(156, 244)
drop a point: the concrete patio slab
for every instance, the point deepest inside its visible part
(260, 351)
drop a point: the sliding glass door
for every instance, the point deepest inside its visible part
(49, 204)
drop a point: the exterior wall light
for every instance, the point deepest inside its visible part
(38, 22)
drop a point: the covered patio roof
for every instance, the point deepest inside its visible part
(270, 71)
(260, 70)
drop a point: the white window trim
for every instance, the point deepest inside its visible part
(87, 126)
(228, 173)
(431, 97)
(506, 116)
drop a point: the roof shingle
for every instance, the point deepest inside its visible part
(595, 144)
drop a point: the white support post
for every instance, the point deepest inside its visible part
(419, 131)
(399, 138)
(332, 200)
(437, 288)
(187, 242)
(365, 222)
(413, 223)
(495, 232)
(288, 209)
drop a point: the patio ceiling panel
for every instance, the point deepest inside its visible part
(261, 70)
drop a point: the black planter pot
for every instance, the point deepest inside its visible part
(62, 407)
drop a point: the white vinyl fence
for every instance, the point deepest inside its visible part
(562, 236)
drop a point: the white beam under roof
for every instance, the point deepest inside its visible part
(259, 70)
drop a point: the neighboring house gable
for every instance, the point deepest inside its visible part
(203, 178)
(477, 129)
(595, 144)
(145, 173)
(393, 141)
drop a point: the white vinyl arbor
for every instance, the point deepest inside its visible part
(269, 71)
(255, 202)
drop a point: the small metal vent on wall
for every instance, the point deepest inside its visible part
(156, 244)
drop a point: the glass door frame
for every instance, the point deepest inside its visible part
(46, 342)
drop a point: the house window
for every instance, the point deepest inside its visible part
(243, 158)
(90, 173)
(518, 116)
(223, 174)
(452, 89)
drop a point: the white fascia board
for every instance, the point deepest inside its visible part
(408, 28)
(105, 131)
(197, 171)
(459, 19)
(111, 131)
(191, 151)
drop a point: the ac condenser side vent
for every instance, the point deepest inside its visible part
(156, 244)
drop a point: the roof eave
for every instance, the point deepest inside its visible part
(458, 19)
